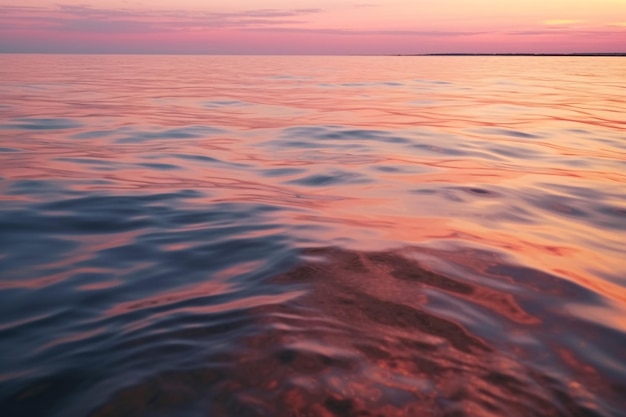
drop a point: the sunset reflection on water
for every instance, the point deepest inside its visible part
(319, 236)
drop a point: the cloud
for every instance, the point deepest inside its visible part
(566, 32)
(551, 22)
(331, 31)
(86, 19)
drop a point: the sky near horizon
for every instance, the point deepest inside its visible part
(312, 26)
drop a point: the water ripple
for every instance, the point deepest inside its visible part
(28, 123)
(319, 236)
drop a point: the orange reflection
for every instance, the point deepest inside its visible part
(374, 346)
(480, 165)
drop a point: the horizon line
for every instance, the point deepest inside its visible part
(399, 54)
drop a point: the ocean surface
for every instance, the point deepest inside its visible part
(250, 236)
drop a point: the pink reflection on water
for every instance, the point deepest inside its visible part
(455, 156)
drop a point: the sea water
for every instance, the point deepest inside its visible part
(312, 236)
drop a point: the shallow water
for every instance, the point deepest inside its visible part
(312, 236)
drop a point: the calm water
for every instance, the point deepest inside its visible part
(312, 236)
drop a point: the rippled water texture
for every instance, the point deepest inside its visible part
(312, 236)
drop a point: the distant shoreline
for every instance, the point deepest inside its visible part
(521, 54)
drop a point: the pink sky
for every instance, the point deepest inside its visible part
(312, 27)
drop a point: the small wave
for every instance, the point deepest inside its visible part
(364, 341)
(27, 123)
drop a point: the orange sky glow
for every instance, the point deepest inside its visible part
(313, 27)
